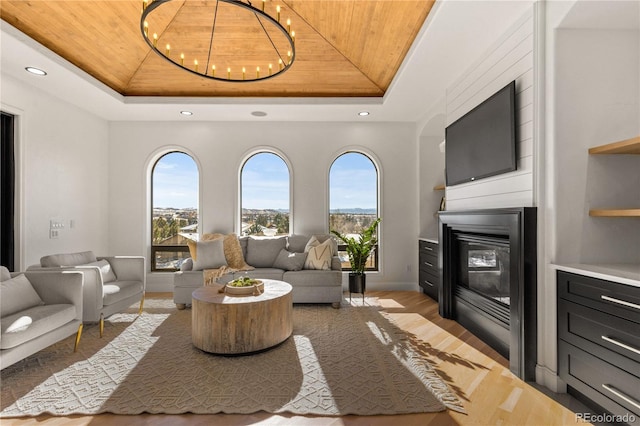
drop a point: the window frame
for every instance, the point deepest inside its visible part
(166, 248)
(243, 162)
(343, 247)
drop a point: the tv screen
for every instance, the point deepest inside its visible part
(482, 143)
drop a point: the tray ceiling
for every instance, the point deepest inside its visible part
(344, 48)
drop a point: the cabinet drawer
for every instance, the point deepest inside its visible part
(428, 247)
(605, 336)
(428, 280)
(428, 262)
(606, 296)
(614, 389)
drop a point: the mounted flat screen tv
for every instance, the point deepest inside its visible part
(482, 143)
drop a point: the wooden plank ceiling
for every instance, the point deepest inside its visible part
(344, 48)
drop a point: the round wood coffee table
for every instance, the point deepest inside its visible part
(228, 324)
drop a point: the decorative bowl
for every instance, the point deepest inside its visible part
(257, 287)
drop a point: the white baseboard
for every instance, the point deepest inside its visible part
(550, 379)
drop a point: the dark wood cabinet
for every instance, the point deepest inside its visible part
(599, 341)
(429, 274)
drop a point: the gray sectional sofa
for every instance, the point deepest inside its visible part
(314, 280)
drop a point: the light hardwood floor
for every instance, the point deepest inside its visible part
(491, 394)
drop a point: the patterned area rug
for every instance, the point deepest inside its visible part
(351, 360)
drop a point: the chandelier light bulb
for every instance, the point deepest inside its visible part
(229, 73)
(168, 49)
(213, 70)
(289, 25)
(182, 59)
(278, 12)
(155, 39)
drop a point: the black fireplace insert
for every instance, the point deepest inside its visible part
(489, 279)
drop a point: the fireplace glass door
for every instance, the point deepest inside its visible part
(484, 266)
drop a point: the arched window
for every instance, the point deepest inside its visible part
(353, 199)
(265, 195)
(174, 210)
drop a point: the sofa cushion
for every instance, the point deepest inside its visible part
(208, 254)
(17, 294)
(105, 270)
(117, 290)
(34, 322)
(262, 252)
(313, 278)
(68, 259)
(290, 261)
(232, 250)
(319, 256)
(297, 242)
(4, 273)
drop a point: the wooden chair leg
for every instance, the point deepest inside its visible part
(141, 305)
(78, 334)
(101, 324)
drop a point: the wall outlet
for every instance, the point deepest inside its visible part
(54, 233)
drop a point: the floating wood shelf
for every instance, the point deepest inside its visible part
(440, 187)
(628, 146)
(614, 212)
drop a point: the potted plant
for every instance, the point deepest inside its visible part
(359, 248)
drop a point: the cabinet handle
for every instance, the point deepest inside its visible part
(620, 302)
(428, 283)
(428, 264)
(622, 345)
(427, 248)
(622, 395)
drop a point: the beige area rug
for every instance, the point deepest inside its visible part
(351, 360)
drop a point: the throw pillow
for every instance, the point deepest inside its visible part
(4, 273)
(105, 270)
(209, 255)
(262, 252)
(17, 294)
(319, 256)
(232, 250)
(316, 240)
(290, 261)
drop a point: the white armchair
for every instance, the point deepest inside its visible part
(111, 283)
(38, 310)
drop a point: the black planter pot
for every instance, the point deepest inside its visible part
(357, 284)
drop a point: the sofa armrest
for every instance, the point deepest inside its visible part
(57, 287)
(128, 268)
(336, 264)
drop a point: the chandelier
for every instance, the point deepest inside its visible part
(224, 40)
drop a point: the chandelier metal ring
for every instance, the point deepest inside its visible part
(284, 63)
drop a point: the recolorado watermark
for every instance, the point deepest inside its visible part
(605, 418)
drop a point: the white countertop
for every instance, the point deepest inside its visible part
(429, 239)
(624, 273)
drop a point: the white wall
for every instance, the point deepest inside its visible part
(431, 170)
(61, 173)
(597, 102)
(510, 58)
(310, 148)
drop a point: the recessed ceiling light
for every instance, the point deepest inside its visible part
(36, 71)
(186, 113)
(259, 113)
(363, 113)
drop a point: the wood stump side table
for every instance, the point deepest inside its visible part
(227, 324)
